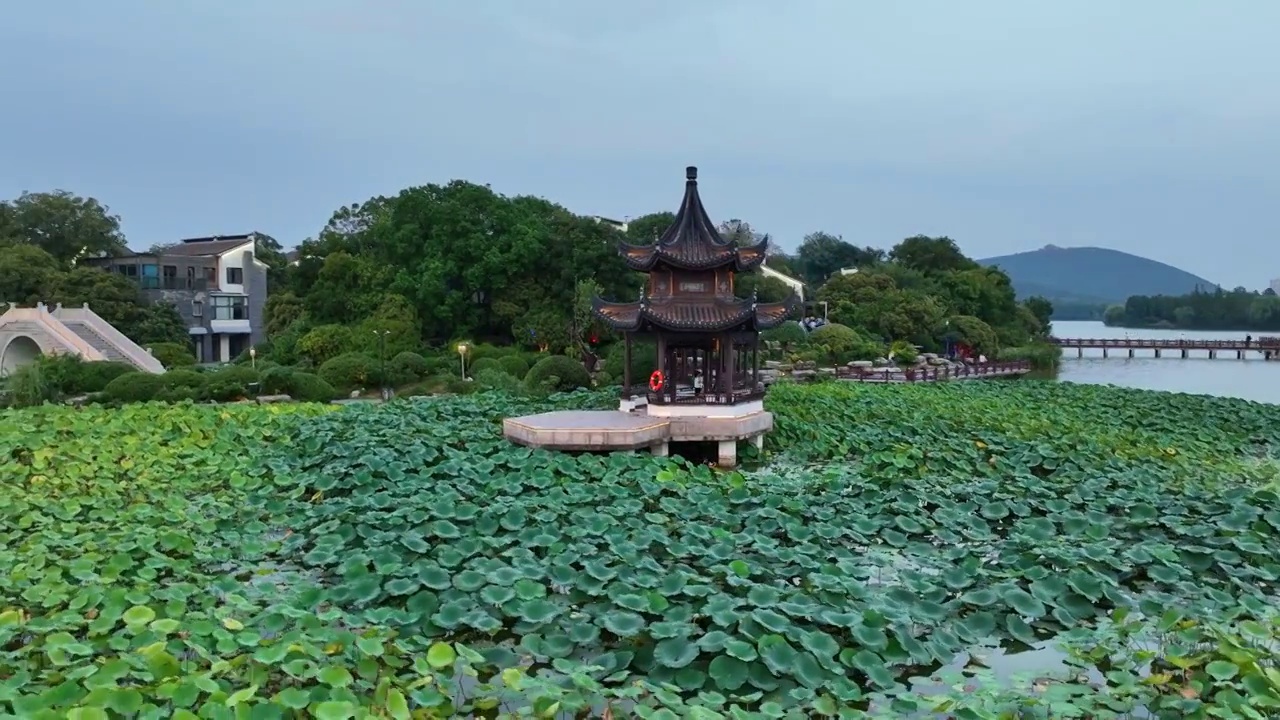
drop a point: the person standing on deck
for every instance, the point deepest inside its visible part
(697, 383)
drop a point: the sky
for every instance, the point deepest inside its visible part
(1148, 126)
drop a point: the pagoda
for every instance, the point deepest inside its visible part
(708, 338)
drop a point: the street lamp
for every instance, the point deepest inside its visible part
(462, 356)
(253, 358)
(382, 361)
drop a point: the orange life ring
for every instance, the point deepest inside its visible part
(656, 381)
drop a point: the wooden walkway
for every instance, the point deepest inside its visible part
(1267, 348)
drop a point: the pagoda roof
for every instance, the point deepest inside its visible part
(708, 315)
(692, 241)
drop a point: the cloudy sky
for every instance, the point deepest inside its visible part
(1150, 126)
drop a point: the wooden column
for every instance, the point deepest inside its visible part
(626, 367)
(726, 364)
(755, 362)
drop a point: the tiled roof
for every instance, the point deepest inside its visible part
(692, 241)
(711, 315)
(196, 248)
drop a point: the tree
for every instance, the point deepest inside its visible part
(346, 290)
(158, 323)
(282, 310)
(821, 255)
(739, 232)
(768, 289)
(930, 255)
(28, 275)
(110, 295)
(1042, 309)
(64, 225)
(269, 251)
(646, 229)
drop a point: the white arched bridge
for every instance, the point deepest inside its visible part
(28, 333)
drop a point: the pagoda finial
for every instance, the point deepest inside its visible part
(691, 173)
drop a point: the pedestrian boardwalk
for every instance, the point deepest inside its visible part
(1266, 348)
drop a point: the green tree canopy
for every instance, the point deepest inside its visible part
(62, 224)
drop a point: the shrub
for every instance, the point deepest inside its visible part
(135, 387)
(484, 364)
(307, 387)
(94, 376)
(172, 355)
(1043, 356)
(30, 385)
(515, 366)
(495, 379)
(841, 343)
(407, 367)
(442, 364)
(239, 375)
(904, 353)
(485, 351)
(350, 371)
(223, 390)
(326, 342)
(973, 332)
(458, 386)
(177, 385)
(789, 334)
(70, 375)
(276, 381)
(555, 373)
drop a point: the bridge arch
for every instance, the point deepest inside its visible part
(18, 351)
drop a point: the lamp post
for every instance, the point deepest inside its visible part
(382, 362)
(462, 357)
(253, 357)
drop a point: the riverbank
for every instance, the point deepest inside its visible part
(920, 517)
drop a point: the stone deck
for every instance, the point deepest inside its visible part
(605, 430)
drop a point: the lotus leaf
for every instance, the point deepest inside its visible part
(167, 560)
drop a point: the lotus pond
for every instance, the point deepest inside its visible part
(405, 561)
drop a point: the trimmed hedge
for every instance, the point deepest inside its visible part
(350, 371)
(557, 373)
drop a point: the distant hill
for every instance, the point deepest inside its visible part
(1091, 275)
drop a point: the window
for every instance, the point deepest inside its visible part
(211, 277)
(169, 277)
(229, 307)
(191, 277)
(150, 279)
(197, 308)
(235, 276)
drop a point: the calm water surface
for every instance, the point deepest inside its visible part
(1251, 379)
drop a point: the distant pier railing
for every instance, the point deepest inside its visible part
(1267, 348)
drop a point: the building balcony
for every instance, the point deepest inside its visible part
(188, 284)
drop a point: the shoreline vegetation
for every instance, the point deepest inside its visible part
(1218, 311)
(395, 285)
(183, 560)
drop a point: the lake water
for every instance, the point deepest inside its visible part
(1251, 379)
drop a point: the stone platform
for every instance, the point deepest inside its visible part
(604, 430)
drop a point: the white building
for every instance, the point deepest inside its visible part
(1275, 285)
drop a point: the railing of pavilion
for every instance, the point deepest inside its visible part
(685, 396)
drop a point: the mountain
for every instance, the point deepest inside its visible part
(1093, 275)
